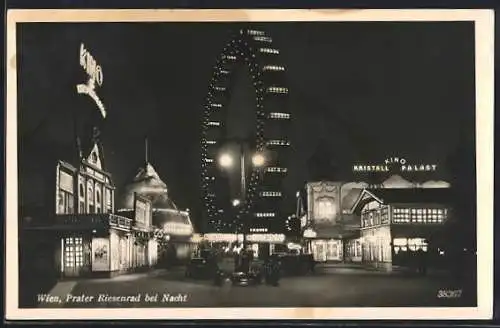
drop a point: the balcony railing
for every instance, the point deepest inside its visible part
(98, 220)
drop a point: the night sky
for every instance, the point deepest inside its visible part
(365, 90)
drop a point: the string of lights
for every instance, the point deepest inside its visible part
(254, 50)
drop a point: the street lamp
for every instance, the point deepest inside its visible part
(226, 161)
(258, 160)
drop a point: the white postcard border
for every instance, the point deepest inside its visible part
(484, 61)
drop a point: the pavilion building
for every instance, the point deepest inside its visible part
(174, 224)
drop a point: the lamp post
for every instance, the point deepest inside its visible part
(226, 161)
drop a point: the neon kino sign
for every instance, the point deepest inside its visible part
(392, 162)
(94, 72)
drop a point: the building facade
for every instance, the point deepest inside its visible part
(325, 226)
(84, 236)
(334, 228)
(176, 227)
(396, 224)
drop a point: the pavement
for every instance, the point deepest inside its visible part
(330, 286)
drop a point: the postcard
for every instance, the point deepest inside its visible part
(249, 164)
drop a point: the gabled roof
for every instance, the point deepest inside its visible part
(147, 183)
(403, 196)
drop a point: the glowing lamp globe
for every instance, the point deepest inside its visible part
(258, 160)
(225, 160)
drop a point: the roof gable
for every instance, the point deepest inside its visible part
(95, 157)
(365, 196)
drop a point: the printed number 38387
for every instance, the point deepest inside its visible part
(443, 293)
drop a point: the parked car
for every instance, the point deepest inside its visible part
(243, 279)
(201, 268)
(292, 265)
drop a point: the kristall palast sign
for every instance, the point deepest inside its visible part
(94, 72)
(392, 163)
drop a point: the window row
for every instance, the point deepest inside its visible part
(420, 210)
(269, 51)
(278, 142)
(276, 169)
(263, 39)
(258, 230)
(255, 32)
(277, 90)
(270, 193)
(279, 115)
(265, 215)
(273, 68)
(418, 220)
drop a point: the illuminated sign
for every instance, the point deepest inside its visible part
(266, 238)
(95, 76)
(401, 163)
(178, 229)
(100, 254)
(142, 212)
(310, 233)
(325, 209)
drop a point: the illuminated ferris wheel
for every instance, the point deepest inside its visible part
(252, 50)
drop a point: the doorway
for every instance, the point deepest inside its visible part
(72, 256)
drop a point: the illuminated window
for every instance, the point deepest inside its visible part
(277, 90)
(273, 68)
(263, 39)
(220, 88)
(270, 193)
(90, 197)
(65, 203)
(276, 169)
(255, 32)
(98, 201)
(325, 209)
(269, 51)
(277, 142)
(210, 142)
(109, 200)
(214, 123)
(216, 105)
(279, 115)
(264, 215)
(81, 198)
(73, 252)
